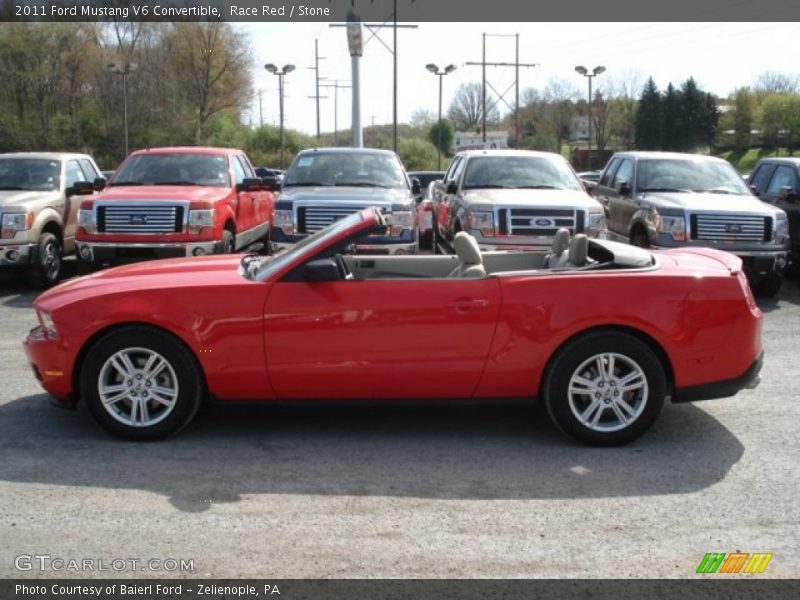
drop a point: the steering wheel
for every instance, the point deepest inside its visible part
(341, 264)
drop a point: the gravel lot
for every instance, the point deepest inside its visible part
(459, 491)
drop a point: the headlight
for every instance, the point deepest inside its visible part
(673, 225)
(14, 222)
(284, 219)
(86, 220)
(596, 225)
(47, 323)
(781, 232)
(482, 221)
(399, 221)
(200, 218)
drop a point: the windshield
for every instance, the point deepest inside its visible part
(682, 175)
(270, 264)
(174, 169)
(33, 174)
(346, 169)
(536, 172)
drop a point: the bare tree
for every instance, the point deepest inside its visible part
(772, 82)
(466, 109)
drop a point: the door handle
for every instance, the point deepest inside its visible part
(465, 304)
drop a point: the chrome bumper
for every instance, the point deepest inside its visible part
(16, 255)
(87, 251)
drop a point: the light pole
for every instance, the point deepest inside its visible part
(585, 72)
(435, 70)
(123, 70)
(355, 43)
(281, 74)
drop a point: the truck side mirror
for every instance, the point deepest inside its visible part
(416, 186)
(270, 184)
(452, 187)
(787, 193)
(624, 188)
(249, 184)
(754, 190)
(99, 184)
(81, 188)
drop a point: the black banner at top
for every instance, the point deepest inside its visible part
(407, 10)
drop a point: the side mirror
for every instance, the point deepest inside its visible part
(271, 184)
(787, 193)
(416, 186)
(81, 188)
(754, 190)
(250, 184)
(323, 269)
(452, 188)
(588, 185)
(99, 184)
(624, 188)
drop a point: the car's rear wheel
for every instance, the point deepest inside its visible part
(605, 388)
(45, 271)
(140, 383)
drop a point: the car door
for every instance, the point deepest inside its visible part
(262, 200)
(620, 208)
(379, 339)
(444, 208)
(245, 218)
(785, 176)
(601, 192)
(73, 173)
(760, 177)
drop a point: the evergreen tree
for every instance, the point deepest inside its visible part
(673, 135)
(694, 116)
(649, 118)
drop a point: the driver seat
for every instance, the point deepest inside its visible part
(469, 256)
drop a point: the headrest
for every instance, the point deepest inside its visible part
(579, 249)
(560, 241)
(467, 249)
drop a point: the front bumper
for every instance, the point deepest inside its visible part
(722, 389)
(50, 365)
(17, 255)
(405, 243)
(109, 253)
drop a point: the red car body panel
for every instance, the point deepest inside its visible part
(404, 338)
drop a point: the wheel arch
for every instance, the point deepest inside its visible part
(54, 227)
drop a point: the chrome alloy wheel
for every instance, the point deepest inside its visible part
(608, 392)
(138, 387)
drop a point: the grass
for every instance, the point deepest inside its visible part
(744, 161)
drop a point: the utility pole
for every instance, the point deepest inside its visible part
(336, 87)
(260, 110)
(501, 97)
(315, 68)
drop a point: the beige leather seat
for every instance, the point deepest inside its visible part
(559, 251)
(578, 255)
(469, 256)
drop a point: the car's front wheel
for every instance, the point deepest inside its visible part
(141, 383)
(605, 388)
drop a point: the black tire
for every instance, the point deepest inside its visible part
(84, 268)
(45, 271)
(182, 374)
(434, 239)
(640, 239)
(577, 358)
(768, 287)
(426, 241)
(228, 242)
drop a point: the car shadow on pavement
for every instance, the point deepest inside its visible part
(789, 293)
(442, 452)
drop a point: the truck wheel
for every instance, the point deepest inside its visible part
(228, 242)
(140, 383)
(46, 268)
(605, 388)
(639, 238)
(768, 287)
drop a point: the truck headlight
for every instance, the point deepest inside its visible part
(14, 222)
(483, 222)
(284, 220)
(781, 231)
(86, 220)
(200, 218)
(47, 323)
(399, 221)
(596, 225)
(673, 225)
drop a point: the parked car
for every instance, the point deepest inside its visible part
(512, 199)
(667, 200)
(169, 202)
(425, 178)
(600, 332)
(777, 181)
(324, 185)
(39, 197)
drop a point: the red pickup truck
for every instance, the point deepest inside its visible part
(172, 202)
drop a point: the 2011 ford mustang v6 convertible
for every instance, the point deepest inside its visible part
(600, 332)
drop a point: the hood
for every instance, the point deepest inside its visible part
(192, 193)
(190, 272)
(527, 198)
(698, 202)
(362, 196)
(21, 198)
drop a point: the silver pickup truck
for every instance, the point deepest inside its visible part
(512, 200)
(669, 200)
(39, 197)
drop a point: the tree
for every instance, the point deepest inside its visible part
(417, 154)
(743, 115)
(466, 109)
(422, 119)
(448, 134)
(780, 120)
(601, 113)
(649, 118)
(560, 96)
(672, 134)
(772, 82)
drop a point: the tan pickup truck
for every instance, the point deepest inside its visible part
(39, 197)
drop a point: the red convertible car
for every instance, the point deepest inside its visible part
(601, 332)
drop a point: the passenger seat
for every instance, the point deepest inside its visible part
(578, 252)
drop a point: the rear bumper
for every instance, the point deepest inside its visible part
(106, 253)
(722, 389)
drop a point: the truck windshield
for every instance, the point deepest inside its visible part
(668, 174)
(524, 172)
(33, 174)
(174, 169)
(346, 169)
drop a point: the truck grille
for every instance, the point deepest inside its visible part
(725, 228)
(140, 219)
(542, 222)
(313, 218)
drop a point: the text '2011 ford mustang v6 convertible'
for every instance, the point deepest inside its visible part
(601, 332)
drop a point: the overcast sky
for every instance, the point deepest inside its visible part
(721, 57)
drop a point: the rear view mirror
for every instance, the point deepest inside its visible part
(754, 190)
(787, 193)
(416, 186)
(323, 269)
(249, 184)
(81, 188)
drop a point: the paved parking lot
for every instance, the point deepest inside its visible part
(461, 491)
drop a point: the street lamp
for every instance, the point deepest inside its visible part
(435, 70)
(581, 70)
(123, 70)
(281, 74)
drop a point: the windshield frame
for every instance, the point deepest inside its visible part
(121, 178)
(738, 186)
(57, 184)
(558, 162)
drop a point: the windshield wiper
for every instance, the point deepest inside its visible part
(360, 184)
(306, 184)
(539, 187)
(175, 183)
(666, 189)
(125, 183)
